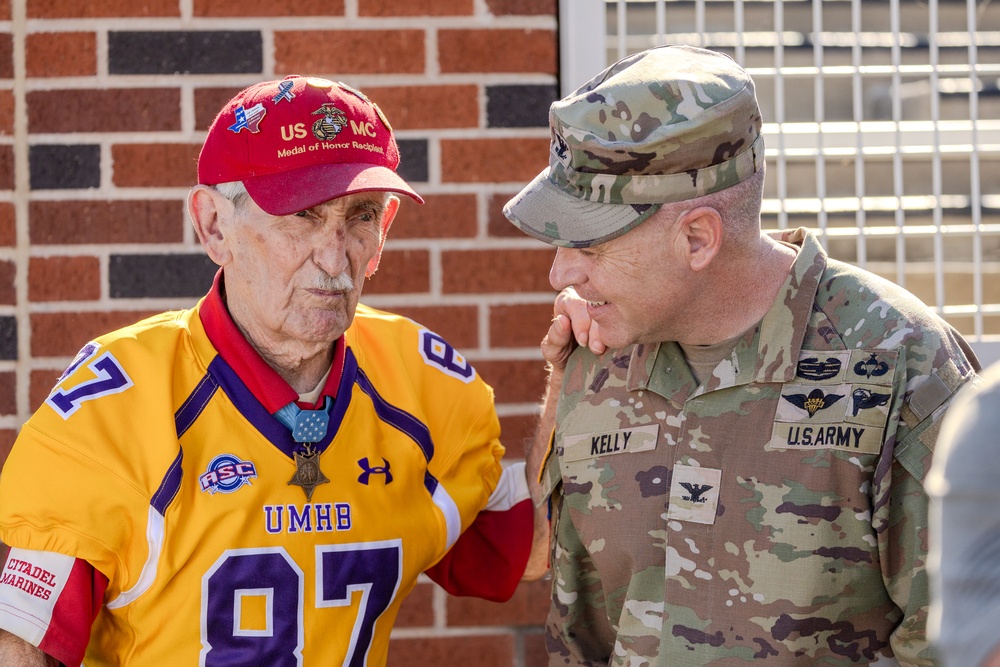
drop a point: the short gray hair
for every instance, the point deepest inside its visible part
(234, 191)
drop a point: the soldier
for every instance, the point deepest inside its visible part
(738, 475)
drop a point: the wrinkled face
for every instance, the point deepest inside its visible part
(299, 277)
(636, 285)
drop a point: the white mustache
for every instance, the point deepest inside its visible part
(341, 283)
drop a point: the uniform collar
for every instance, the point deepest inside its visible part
(768, 353)
(263, 381)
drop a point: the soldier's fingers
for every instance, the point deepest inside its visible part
(575, 308)
(596, 345)
(558, 342)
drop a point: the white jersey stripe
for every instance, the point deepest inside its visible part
(154, 541)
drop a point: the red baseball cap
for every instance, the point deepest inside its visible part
(299, 142)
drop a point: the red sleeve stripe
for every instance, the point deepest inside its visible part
(48, 599)
(74, 613)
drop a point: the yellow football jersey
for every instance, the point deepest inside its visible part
(153, 461)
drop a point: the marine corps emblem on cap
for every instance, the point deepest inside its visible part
(665, 125)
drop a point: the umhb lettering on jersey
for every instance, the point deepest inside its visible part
(167, 472)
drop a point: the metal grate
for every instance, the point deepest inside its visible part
(882, 125)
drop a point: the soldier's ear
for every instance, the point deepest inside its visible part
(702, 233)
(207, 207)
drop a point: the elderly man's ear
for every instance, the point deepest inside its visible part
(700, 236)
(205, 206)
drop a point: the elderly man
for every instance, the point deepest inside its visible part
(738, 476)
(261, 479)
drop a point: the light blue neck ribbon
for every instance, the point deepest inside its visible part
(306, 425)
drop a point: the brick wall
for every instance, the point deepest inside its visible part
(103, 107)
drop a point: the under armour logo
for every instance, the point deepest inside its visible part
(697, 492)
(370, 470)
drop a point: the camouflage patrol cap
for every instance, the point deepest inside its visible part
(667, 124)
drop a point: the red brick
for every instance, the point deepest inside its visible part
(516, 432)
(349, 51)
(208, 102)
(498, 51)
(6, 56)
(6, 112)
(61, 54)
(532, 7)
(8, 227)
(401, 271)
(5, 10)
(529, 606)
(535, 653)
(415, 7)
(104, 110)
(514, 381)
(41, 384)
(481, 651)
(428, 107)
(64, 279)
(75, 9)
(8, 399)
(155, 165)
(440, 216)
(486, 271)
(255, 8)
(125, 221)
(8, 296)
(7, 437)
(456, 324)
(63, 334)
(492, 160)
(417, 609)
(519, 326)
(6, 167)
(497, 223)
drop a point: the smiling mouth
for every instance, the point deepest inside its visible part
(596, 304)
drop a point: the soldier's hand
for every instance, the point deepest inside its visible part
(571, 326)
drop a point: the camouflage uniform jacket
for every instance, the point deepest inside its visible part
(774, 514)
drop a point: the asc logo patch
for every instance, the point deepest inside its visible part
(227, 473)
